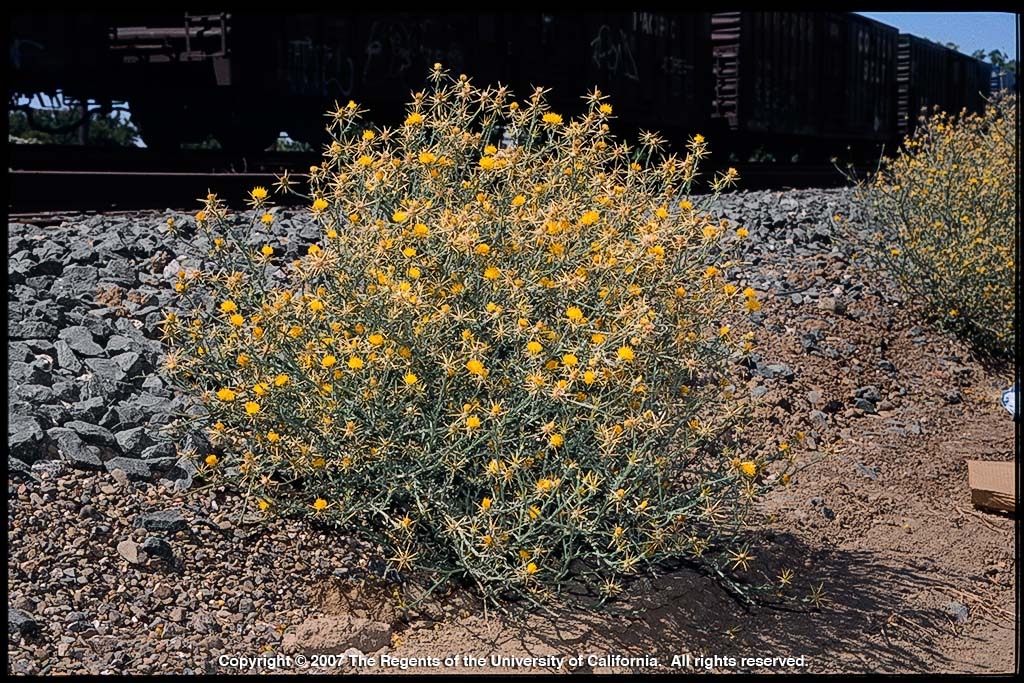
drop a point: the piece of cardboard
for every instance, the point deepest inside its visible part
(992, 484)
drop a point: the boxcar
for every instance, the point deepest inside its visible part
(653, 66)
(932, 76)
(799, 76)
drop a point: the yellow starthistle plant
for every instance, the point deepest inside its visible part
(945, 219)
(494, 340)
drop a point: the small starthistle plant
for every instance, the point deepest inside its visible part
(945, 216)
(508, 363)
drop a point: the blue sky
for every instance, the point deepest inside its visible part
(970, 30)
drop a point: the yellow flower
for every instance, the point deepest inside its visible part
(534, 347)
(200, 216)
(625, 353)
(400, 216)
(228, 306)
(263, 505)
(258, 193)
(486, 503)
(574, 314)
(487, 163)
(327, 361)
(226, 394)
(375, 339)
(472, 422)
(414, 272)
(569, 360)
(492, 273)
(273, 437)
(553, 119)
(420, 230)
(368, 134)
(531, 568)
(605, 109)
(477, 368)
(316, 305)
(556, 440)
(355, 363)
(409, 252)
(598, 338)
(482, 249)
(319, 504)
(364, 160)
(267, 218)
(281, 380)
(411, 378)
(267, 250)
(236, 319)
(589, 377)
(748, 468)
(211, 460)
(252, 407)
(544, 485)
(518, 200)
(427, 158)
(534, 514)
(414, 118)
(590, 217)
(742, 232)
(319, 204)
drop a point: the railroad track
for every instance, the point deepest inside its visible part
(64, 178)
(60, 178)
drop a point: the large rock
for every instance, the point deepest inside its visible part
(21, 623)
(66, 358)
(72, 449)
(30, 329)
(96, 435)
(76, 283)
(80, 339)
(26, 439)
(134, 470)
(134, 441)
(163, 520)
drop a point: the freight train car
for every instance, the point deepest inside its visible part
(933, 77)
(803, 81)
(795, 83)
(654, 66)
(244, 77)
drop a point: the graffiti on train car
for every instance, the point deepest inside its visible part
(393, 48)
(611, 52)
(319, 69)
